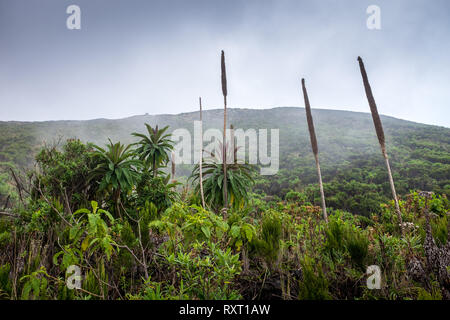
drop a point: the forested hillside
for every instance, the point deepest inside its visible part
(111, 221)
(352, 166)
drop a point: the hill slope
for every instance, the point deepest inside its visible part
(349, 151)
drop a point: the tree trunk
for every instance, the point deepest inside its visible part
(380, 135)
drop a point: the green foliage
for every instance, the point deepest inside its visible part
(5, 283)
(5, 238)
(64, 174)
(343, 237)
(425, 295)
(294, 196)
(314, 285)
(161, 244)
(357, 245)
(268, 242)
(116, 167)
(98, 232)
(195, 223)
(241, 232)
(335, 236)
(153, 290)
(96, 281)
(154, 148)
(35, 285)
(352, 167)
(206, 271)
(239, 181)
(88, 235)
(156, 190)
(439, 230)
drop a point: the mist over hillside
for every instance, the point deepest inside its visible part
(348, 148)
(340, 133)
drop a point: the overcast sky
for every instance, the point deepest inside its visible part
(134, 57)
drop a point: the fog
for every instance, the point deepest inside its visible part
(137, 57)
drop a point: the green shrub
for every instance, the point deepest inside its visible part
(156, 190)
(365, 221)
(35, 285)
(294, 196)
(5, 238)
(314, 285)
(96, 281)
(435, 294)
(206, 271)
(5, 283)
(344, 237)
(268, 243)
(357, 245)
(439, 230)
(335, 237)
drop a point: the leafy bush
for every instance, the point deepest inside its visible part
(207, 271)
(297, 197)
(35, 285)
(439, 230)
(314, 285)
(268, 242)
(342, 237)
(5, 283)
(357, 245)
(156, 190)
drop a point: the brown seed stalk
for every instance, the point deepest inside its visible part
(224, 147)
(380, 135)
(315, 149)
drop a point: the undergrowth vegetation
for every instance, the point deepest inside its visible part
(113, 221)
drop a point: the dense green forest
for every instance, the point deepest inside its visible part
(113, 208)
(352, 167)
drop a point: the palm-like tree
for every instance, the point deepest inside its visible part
(116, 170)
(154, 148)
(238, 182)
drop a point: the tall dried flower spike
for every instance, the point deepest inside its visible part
(315, 149)
(380, 135)
(309, 119)
(372, 105)
(224, 75)
(224, 147)
(173, 165)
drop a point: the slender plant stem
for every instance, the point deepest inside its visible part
(380, 134)
(322, 194)
(315, 149)
(224, 146)
(201, 155)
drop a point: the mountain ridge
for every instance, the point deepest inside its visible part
(218, 109)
